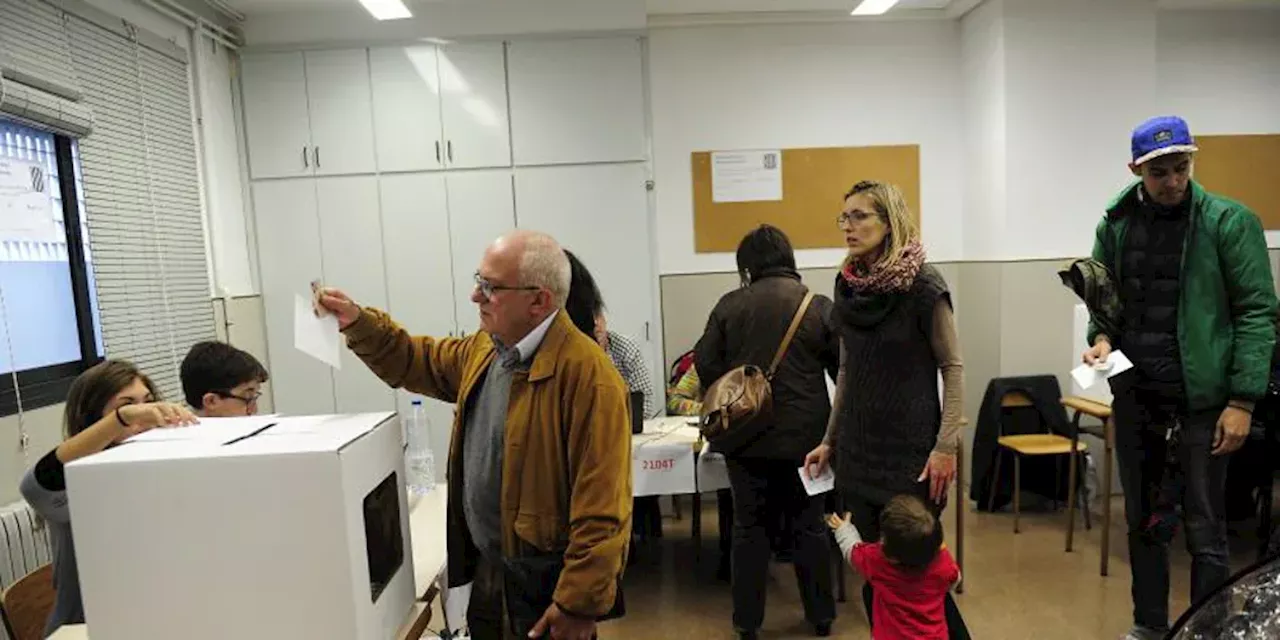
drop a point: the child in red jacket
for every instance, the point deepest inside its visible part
(910, 570)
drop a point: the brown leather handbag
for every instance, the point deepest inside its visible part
(739, 398)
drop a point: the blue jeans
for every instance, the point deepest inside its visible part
(1141, 423)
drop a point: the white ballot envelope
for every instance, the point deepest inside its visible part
(315, 336)
(1087, 375)
(826, 481)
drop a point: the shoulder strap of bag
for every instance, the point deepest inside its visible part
(791, 333)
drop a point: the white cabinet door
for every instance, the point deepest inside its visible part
(341, 110)
(480, 210)
(600, 213)
(275, 110)
(415, 238)
(473, 79)
(289, 238)
(406, 108)
(351, 243)
(576, 101)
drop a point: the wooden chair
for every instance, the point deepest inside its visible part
(1035, 444)
(28, 603)
(1084, 406)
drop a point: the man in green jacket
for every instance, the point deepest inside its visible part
(1197, 320)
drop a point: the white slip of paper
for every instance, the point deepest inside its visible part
(315, 336)
(826, 481)
(1087, 375)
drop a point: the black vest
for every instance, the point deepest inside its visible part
(890, 411)
(1150, 271)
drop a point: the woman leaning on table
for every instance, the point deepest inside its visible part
(888, 431)
(110, 402)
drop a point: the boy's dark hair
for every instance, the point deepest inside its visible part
(217, 367)
(584, 302)
(910, 532)
(763, 249)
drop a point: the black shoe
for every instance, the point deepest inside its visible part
(748, 635)
(822, 629)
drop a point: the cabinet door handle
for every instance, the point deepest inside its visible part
(437, 152)
(306, 164)
(449, 147)
(646, 331)
(317, 152)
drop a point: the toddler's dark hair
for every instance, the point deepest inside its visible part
(911, 533)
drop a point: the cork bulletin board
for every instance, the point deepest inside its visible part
(1244, 168)
(814, 182)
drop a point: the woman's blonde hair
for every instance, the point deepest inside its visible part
(892, 207)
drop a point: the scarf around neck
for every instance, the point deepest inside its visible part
(897, 276)
(865, 297)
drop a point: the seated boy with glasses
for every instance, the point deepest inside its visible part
(221, 381)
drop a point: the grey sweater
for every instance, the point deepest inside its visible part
(44, 487)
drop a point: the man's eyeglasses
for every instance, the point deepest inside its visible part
(249, 399)
(487, 288)
(849, 218)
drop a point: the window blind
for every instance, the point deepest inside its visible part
(142, 201)
(37, 81)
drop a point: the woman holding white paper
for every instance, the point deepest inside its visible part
(110, 402)
(889, 432)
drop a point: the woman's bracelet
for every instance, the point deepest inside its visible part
(120, 418)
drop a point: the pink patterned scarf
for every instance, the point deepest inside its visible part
(886, 279)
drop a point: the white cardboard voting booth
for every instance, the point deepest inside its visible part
(249, 528)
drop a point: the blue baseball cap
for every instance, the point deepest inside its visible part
(1161, 136)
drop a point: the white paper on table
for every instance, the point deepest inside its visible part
(210, 429)
(713, 474)
(826, 481)
(315, 336)
(746, 176)
(662, 469)
(1087, 375)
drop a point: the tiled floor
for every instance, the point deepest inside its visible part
(1017, 586)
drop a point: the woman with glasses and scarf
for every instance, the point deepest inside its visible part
(889, 433)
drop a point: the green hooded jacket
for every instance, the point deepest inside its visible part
(1227, 302)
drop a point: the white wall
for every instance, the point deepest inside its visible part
(806, 86)
(1220, 69)
(226, 225)
(1079, 76)
(982, 61)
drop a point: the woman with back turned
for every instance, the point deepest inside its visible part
(889, 432)
(746, 327)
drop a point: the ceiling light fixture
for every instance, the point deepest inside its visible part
(387, 9)
(873, 7)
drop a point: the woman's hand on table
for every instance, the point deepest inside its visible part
(940, 470)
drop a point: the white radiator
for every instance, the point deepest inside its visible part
(24, 545)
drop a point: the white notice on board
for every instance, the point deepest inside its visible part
(746, 176)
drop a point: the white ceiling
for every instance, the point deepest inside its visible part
(670, 7)
(654, 6)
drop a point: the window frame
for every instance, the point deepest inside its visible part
(48, 385)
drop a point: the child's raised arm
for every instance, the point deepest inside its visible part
(846, 534)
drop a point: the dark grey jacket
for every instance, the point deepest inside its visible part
(746, 327)
(45, 488)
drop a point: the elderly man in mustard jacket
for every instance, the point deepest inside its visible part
(540, 457)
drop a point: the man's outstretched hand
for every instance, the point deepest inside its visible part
(328, 299)
(563, 626)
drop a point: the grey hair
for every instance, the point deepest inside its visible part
(543, 264)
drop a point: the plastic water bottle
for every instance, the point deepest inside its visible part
(419, 462)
